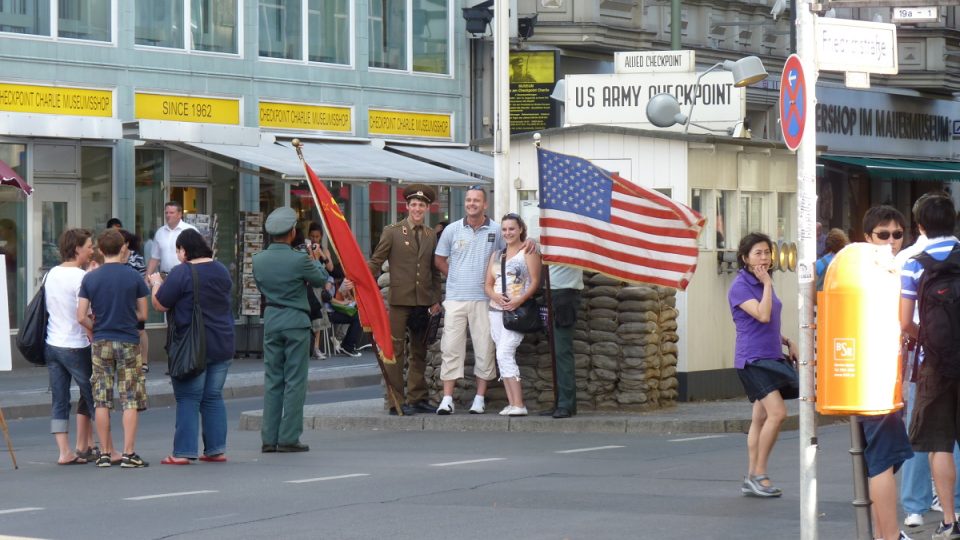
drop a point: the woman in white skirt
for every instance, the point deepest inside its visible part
(522, 280)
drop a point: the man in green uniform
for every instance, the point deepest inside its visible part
(414, 294)
(282, 274)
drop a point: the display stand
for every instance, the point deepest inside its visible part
(250, 239)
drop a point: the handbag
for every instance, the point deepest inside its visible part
(187, 351)
(32, 336)
(526, 318)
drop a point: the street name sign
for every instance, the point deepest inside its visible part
(860, 46)
(654, 61)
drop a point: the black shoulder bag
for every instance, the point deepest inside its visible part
(32, 335)
(526, 318)
(187, 352)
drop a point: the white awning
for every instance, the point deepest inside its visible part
(340, 161)
(458, 158)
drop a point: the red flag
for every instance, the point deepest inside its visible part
(598, 221)
(373, 313)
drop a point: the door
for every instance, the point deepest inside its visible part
(194, 198)
(56, 208)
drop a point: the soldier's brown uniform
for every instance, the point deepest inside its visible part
(414, 282)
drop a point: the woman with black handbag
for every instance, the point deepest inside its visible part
(200, 396)
(512, 279)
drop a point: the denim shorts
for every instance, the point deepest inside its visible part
(886, 440)
(761, 377)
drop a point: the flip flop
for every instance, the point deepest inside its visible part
(219, 458)
(173, 460)
(75, 461)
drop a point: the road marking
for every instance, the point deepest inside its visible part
(18, 510)
(698, 438)
(578, 450)
(325, 478)
(165, 495)
(451, 463)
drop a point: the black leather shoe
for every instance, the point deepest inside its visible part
(560, 412)
(548, 412)
(408, 410)
(295, 447)
(424, 407)
(268, 448)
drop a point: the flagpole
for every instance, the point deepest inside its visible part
(501, 98)
(553, 346)
(391, 391)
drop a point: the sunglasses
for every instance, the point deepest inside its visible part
(476, 187)
(885, 235)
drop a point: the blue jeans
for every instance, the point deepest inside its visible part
(64, 364)
(916, 493)
(201, 396)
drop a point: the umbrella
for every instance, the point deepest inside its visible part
(9, 177)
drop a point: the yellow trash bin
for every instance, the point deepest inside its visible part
(858, 333)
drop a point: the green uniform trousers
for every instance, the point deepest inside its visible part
(566, 302)
(286, 355)
(413, 352)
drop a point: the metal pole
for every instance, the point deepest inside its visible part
(861, 490)
(675, 25)
(806, 253)
(501, 103)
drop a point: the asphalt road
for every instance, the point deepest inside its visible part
(422, 485)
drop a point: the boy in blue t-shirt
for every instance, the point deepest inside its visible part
(112, 300)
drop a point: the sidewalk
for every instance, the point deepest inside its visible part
(24, 391)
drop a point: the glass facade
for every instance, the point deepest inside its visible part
(431, 36)
(281, 29)
(25, 17)
(329, 31)
(148, 178)
(84, 19)
(388, 34)
(96, 187)
(159, 23)
(214, 26)
(13, 237)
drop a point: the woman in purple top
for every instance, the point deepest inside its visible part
(767, 379)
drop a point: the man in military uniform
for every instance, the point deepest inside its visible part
(281, 274)
(414, 293)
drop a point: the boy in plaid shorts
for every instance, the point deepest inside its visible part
(117, 297)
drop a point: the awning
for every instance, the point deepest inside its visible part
(902, 169)
(458, 158)
(332, 161)
(9, 177)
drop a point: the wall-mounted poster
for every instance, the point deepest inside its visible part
(532, 78)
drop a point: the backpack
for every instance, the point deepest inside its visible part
(939, 298)
(32, 336)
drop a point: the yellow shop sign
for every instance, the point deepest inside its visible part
(24, 98)
(312, 117)
(382, 122)
(187, 109)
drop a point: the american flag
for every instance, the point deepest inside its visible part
(595, 220)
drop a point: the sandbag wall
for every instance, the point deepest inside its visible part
(625, 346)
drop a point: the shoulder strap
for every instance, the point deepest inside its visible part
(196, 287)
(503, 271)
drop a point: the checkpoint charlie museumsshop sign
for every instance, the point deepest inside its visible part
(621, 99)
(887, 124)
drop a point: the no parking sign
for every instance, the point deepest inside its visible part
(793, 112)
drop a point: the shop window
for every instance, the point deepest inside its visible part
(13, 237)
(786, 217)
(84, 19)
(214, 25)
(96, 187)
(431, 36)
(26, 17)
(224, 216)
(328, 31)
(281, 29)
(149, 173)
(301, 200)
(159, 23)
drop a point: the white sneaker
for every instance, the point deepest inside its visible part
(446, 406)
(478, 406)
(913, 520)
(506, 410)
(517, 411)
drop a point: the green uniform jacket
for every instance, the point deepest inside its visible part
(414, 280)
(281, 275)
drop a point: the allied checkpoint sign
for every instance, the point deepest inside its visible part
(621, 99)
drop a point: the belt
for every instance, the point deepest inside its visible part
(280, 306)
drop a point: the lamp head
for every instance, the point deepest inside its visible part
(663, 111)
(746, 71)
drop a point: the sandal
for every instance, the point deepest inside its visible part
(77, 460)
(218, 458)
(753, 485)
(90, 454)
(173, 460)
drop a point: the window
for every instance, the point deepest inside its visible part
(96, 187)
(751, 214)
(149, 176)
(76, 19)
(159, 23)
(388, 34)
(725, 227)
(13, 237)
(328, 26)
(431, 36)
(84, 19)
(281, 29)
(214, 24)
(786, 217)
